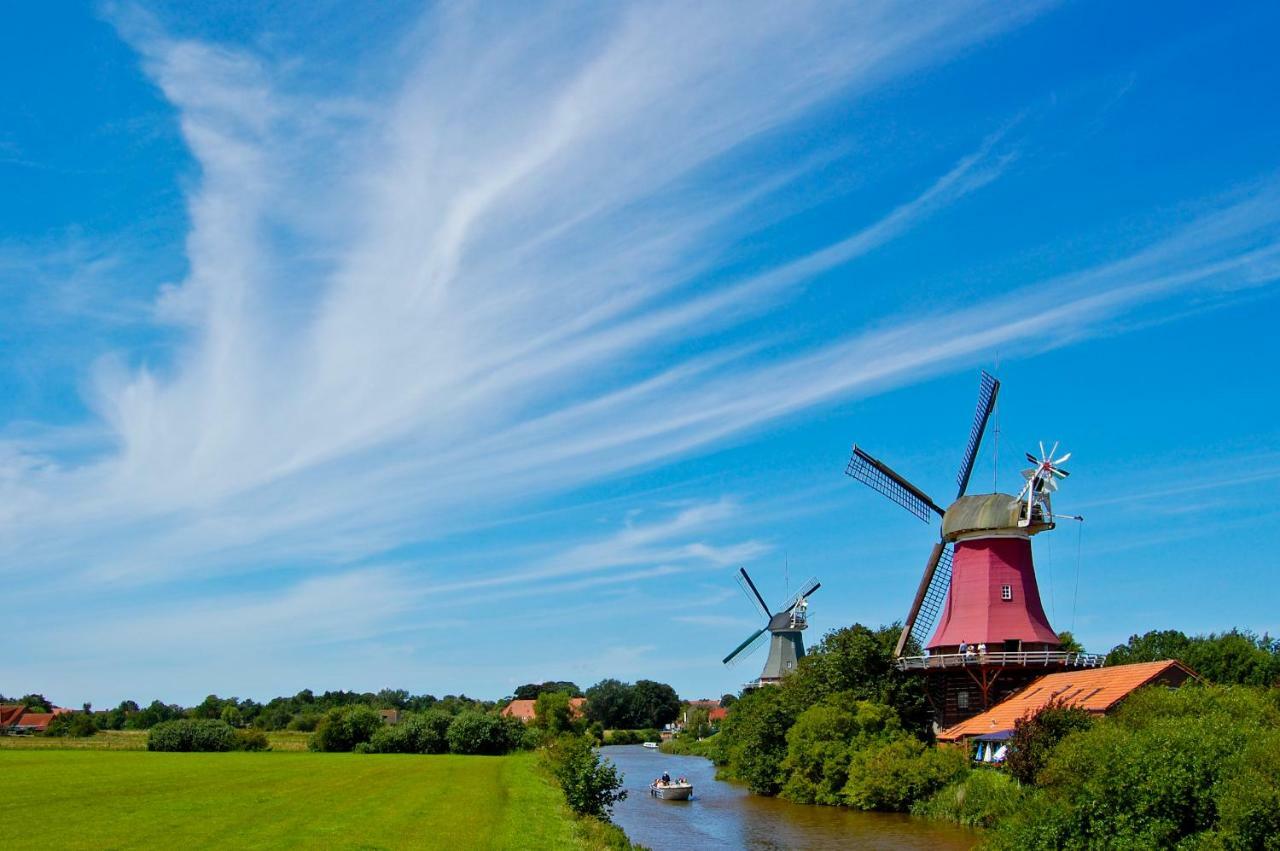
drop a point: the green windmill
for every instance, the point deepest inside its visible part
(784, 629)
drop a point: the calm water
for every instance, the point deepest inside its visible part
(726, 815)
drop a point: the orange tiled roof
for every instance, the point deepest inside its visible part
(717, 714)
(524, 709)
(35, 720)
(10, 713)
(1093, 689)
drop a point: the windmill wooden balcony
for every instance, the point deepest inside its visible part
(1021, 658)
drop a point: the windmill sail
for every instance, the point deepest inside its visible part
(930, 598)
(806, 590)
(753, 594)
(881, 478)
(747, 647)
(988, 389)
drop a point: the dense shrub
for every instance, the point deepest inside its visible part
(425, 733)
(821, 743)
(1192, 766)
(477, 733)
(187, 734)
(1036, 735)
(305, 722)
(631, 737)
(72, 724)
(343, 728)
(895, 774)
(591, 785)
(252, 740)
(755, 740)
(1237, 657)
(981, 799)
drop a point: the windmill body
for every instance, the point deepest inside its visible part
(993, 600)
(977, 614)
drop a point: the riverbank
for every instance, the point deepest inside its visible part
(726, 815)
(121, 798)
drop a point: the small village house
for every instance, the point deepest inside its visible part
(524, 709)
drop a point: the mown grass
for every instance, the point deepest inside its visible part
(122, 799)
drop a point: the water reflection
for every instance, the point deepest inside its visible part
(725, 815)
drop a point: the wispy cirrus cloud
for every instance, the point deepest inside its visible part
(510, 277)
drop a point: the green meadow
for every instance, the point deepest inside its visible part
(103, 798)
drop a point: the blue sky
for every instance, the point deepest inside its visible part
(450, 348)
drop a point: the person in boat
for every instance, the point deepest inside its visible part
(666, 779)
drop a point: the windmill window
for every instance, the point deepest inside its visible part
(962, 700)
(1006, 592)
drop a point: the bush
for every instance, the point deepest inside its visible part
(424, 733)
(1035, 736)
(894, 775)
(822, 741)
(591, 785)
(252, 740)
(1199, 765)
(755, 740)
(343, 728)
(188, 734)
(72, 724)
(979, 800)
(305, 723)
(477, 733)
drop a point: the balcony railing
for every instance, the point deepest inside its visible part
(1027, 658)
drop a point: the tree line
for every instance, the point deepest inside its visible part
(611, 703)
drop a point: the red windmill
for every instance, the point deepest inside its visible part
(992, 636)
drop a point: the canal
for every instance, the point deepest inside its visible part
(726, 815)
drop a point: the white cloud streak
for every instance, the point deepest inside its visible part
(502, 282)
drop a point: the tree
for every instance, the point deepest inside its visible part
(1152, 646)
(36, 703)
(531, 691)
(472, 732)
(609, 703)
(859, 660)
(653, 704)
(591, 785)
(727, 700)
(1037, 734)
(392, 698)
(753, 740)
(553, 713)
(1237, 657)
(821, 742)
(345, 727)
(1069, 642)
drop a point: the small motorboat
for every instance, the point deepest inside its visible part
(672, 791)
(651, 745)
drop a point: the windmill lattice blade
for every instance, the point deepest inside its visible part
(751, 593)
(880, 478)
(807, 589)
(935, 597)
(939, 550)
(742, 572)
(747, 647)
(988, 389)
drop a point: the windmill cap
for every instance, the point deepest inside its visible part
(988, 513)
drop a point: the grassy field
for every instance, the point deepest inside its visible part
(129, 740)
(122, 799)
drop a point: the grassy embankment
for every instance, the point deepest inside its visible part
(104, 798)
